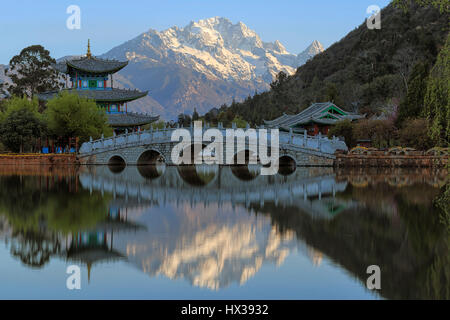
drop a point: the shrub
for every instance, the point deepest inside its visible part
(382, 132)
(415, 134)
(343, 129)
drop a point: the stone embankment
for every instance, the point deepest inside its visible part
(366, 159)
(38, 159)
(396, 159)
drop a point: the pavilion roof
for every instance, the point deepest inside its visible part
(322, 113)
(92, 255)
(130, 119)
(279, 120)
(107, 95)
(90, 64)
(116, 225)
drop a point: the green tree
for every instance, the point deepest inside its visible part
(184, 120)
(332, 94)
(412, 104)
(343, 129)
(161, 124)
(195, 115)
(31, 72)
(240, 123)
(382, 133)
(19, 130)
(443, 5)
(19, 103)
(69, 115)
(415, 134)
(316, 89)
(278, 83)
(437, 98)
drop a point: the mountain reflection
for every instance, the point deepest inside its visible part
(214, 227)
(209, 247)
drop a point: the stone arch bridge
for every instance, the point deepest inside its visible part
(150, 146)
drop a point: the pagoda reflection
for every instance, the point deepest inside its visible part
(96, 246)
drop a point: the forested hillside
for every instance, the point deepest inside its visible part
(368, 71)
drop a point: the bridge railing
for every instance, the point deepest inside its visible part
(290, 139)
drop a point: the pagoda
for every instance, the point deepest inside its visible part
(92, 77)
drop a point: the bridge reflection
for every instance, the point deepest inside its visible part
(198, 226)
(310, 188)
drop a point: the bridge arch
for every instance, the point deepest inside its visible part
(286, 165)
(151, 164)
(246, 171)
(150, 157)
(191, 149)
(117, 163)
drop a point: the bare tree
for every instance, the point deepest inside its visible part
(404, 61)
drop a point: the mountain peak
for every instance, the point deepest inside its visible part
(279, 47)
(212, 22)
(224, 27)
(222, 60)
(315, 47)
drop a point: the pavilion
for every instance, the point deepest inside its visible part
(318, 118)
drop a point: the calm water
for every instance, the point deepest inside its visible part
(221, 233)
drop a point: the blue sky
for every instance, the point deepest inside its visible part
(296, 23)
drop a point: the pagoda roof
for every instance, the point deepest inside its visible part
(116, 225)
(130, 119)
(321, 113)
(92, 255)
(107, 95)
(90, 64)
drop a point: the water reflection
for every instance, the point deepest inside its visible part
(197, 175)
(212, 228)
(152, 171)
(246, 172)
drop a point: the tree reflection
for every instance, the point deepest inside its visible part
(33, 248)
(401, 233)
(42, 210)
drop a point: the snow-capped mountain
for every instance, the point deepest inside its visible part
(203, 65)
(315, 48)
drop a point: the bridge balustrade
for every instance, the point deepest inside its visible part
(294, 140)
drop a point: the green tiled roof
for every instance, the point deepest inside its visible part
(317, 112)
